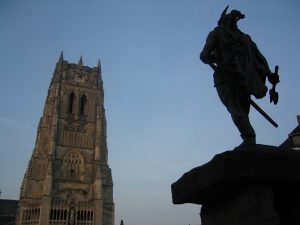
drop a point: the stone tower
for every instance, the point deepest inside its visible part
(68, 180)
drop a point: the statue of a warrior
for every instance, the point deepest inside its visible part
(240, 70)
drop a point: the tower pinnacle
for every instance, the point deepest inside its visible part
(80, 61)
(99, 66)
(61, 57)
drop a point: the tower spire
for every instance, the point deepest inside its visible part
(80, 61)
(61, 57)
(99, 66)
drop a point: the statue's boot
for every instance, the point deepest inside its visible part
(247, 142)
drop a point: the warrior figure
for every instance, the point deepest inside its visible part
(240, 70)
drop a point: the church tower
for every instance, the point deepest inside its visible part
(68, 180)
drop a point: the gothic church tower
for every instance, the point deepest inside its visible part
(68, 180)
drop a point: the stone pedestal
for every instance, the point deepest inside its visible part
(253, 205)
(257, 184)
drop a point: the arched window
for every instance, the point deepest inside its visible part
(85, 215)
(65, 214)
(71, 102)
(55, 214)
(78, 215)
(73, 165)
(82, 104)
(51, 214)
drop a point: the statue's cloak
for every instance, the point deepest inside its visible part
(237, 53)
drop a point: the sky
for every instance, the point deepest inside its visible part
(163, 113)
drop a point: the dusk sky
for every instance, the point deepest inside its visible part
(163, 113)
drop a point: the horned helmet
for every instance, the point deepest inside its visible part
(234, 16)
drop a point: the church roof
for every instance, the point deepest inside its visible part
(288, 142)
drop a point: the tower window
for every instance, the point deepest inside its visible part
(82, 104)
(73, 165)
(71, 102)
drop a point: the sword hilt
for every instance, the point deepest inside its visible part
(276, 69)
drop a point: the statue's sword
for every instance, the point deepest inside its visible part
(254, 105)
(263, 113)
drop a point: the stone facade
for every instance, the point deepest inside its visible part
(68, 180)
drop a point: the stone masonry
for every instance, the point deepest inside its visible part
(68, 180)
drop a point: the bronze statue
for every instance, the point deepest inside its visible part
(240, 71)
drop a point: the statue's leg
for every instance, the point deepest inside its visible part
(243, 99)
(238, 110)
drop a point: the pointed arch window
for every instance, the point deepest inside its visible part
(73, 165)
(71, 102)
(83, 102)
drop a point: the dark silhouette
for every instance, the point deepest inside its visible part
(240, 71)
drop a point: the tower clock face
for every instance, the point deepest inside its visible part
(80, 77)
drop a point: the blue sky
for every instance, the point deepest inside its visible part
(163, 113)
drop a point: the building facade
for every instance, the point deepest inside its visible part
(8, 209)
(68, 180)
(293, 140)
